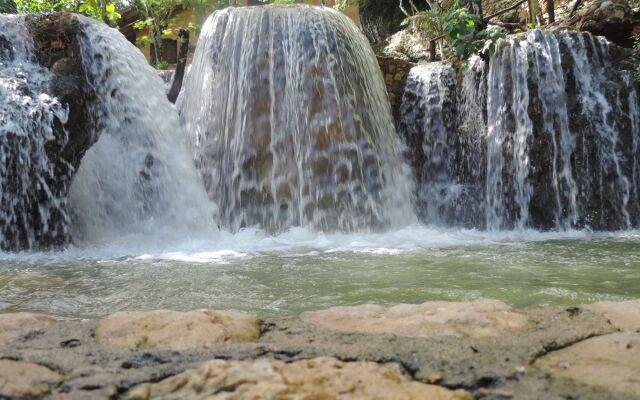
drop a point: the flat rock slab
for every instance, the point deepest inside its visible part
(624, 315)
(610, 361)
(319, 378)
(173, 330)
(14, 325)
(481, 318)
(25, 380)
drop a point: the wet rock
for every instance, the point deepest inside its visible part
(25, 380)
(609, 361)
(173, 330)
(624, 315)
(14, 325)
(320, 378)
(50, 132)
(481, 318)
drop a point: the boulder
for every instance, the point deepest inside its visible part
(480, 318)
(25, 380)
(178, 331)
(14, 325)
(319, 378)
(409, 45)
(610, 361)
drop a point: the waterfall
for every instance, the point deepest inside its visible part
(33, 211)
(426, 107)
(556, 130)
(290, 124)
(55, 103)
(139, 177)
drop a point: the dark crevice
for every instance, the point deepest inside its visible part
(552, 346)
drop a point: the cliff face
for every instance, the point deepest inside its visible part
(544, 136)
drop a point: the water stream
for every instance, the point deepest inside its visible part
(526, 174)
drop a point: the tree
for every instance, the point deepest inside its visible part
(102, 10)
(159, 17)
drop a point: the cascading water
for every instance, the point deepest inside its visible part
(447, 165)
(138, 177)
(290, 125)
(559, 137)
(427, 107)
(33, 210)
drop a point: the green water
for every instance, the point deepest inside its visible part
(287, 277)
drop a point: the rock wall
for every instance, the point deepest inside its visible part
(559, 139)
(394, 71)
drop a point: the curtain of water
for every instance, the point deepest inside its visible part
(290, 124)
(544, 170)
(139, 177)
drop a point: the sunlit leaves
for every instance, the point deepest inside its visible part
(90, 8)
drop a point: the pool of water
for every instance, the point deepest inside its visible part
(302, 270)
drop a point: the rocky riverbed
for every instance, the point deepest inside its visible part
(436, 350)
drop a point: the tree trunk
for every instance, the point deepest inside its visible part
(183, 51)
(156, 36)
(103, 12)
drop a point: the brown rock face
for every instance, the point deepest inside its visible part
(18, 324)
(173, 330)
(479, 318)
(624, 315)
(25, 380)
(609, 361)
(320, 378)
(614, 19)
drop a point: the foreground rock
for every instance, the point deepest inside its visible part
(173, 330)
(25, 380)
(14, 325)
(479, 318)
(624, 315)
(320, 378)
(610, 361)
(484, 347)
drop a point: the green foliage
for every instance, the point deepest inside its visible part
(342, 5)
(101, 10)
(162, 65)
(160, 18)
(462, 30)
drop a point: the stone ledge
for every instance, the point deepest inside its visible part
(470, 319)
(25, 380)
(485, 347)
(319, 378)
(173, 330)
(14, 325)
